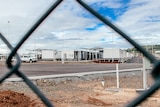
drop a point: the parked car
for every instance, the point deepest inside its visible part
(28, 58)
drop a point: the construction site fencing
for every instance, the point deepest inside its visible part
(15, 69)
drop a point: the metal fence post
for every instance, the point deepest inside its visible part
(145, 66)
(117, 75)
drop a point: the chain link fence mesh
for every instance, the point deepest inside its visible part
(14, 69)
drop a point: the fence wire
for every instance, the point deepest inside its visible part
(14, 69)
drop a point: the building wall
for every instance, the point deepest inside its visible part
(116, 55)
(68, 54)
(47, 55)
(111, 53)
(57, 55)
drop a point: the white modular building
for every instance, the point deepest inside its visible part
(114, 55)
(68, 54)
(101, 55)
(51, 55)
(47, 55)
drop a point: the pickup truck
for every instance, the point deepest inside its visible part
(28, 58)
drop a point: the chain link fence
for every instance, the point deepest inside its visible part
(14, 69)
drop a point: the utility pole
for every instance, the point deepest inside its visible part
(152, 50)
(112, 48)
(8, 37)
(8, 28)
(63, 51)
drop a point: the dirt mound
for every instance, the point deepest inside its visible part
(98, 102)
(14, 99)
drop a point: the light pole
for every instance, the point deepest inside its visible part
(62, 51)
(8, 37)
(8, 28)
(112, 47)
(152, 50)
(78, 53)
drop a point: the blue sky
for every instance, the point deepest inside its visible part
(70, 26)
(113, 10)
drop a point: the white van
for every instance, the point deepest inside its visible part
(28, 58)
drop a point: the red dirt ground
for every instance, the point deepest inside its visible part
(76, 92)
(14, 99)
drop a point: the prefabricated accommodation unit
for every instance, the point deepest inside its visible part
(51, 55)
(74, 55)
(86, 54)
(114, 55)
(78, 55)
(68, 55)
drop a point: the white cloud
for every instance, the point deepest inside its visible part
(138, 23)
(66, 26)
(106, 3)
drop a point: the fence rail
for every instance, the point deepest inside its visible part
(14, 69)
(73, 74)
